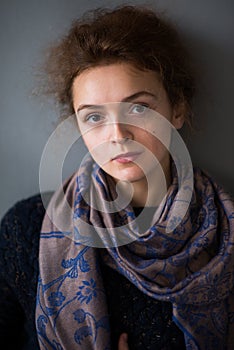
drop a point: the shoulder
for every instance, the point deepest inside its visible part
(19, 240)
(25, 214)
(22, 221)
(207, 183)
(19, 247)
(25, 210)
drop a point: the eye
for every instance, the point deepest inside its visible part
(139, 108)
(94, 118)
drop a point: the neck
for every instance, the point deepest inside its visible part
(151, 190)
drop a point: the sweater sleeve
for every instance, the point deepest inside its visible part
(19, 246)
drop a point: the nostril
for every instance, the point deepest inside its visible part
(120, 140)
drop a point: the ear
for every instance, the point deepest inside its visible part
(179, 113)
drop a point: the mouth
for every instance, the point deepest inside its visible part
(126, 157)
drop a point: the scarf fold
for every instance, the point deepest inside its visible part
(192, 267)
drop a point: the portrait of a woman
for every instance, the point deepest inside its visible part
(136, 249)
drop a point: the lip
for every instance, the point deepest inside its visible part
(126, 157)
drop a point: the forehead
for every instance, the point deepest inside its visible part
(112, 83)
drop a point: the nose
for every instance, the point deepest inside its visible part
(120, 133)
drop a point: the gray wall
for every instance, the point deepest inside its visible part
(27, 26)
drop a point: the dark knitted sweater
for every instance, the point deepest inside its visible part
(148, 322)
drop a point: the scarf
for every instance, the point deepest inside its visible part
(192, 267)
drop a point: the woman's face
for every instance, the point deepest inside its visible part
(114, 104)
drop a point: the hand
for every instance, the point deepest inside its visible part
(123, 342)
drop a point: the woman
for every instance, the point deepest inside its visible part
(132, 252)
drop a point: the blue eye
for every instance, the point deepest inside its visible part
(139, 108)
(94, 118)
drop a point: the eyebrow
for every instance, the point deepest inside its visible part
(126, 99)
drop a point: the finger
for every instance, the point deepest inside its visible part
(123, 342)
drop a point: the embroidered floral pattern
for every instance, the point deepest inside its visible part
(56, 299)
(87, 291)
(80, 316)
(192, 268)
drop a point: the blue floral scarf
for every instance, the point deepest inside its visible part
(192, 267)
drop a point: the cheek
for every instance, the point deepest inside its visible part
(88, 141)
(161, 136)
(154, 145)
(97, 147)
(155, 130)
(148, 139)
(91, 138)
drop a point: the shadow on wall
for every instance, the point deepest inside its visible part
(211, 144)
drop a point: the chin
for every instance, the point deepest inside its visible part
(132, 174)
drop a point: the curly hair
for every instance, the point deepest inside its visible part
(132, 34)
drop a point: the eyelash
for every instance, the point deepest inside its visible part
(134, 105)
(88, 117)
(141, 104)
